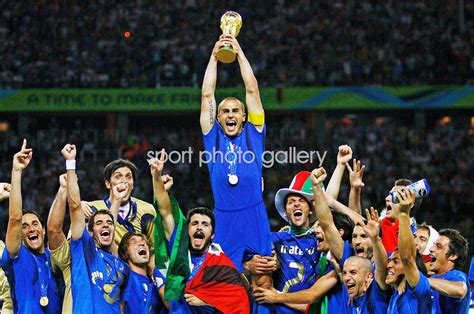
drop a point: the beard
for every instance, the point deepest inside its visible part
(200, 252)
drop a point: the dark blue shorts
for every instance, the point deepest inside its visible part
(243, 233)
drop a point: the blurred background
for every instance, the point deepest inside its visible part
(393, 80)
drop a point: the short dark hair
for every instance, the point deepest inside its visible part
(123, 246)
(202, 211)
(34, 212)
(405, 182)
(119, 163)
(420, 264)
(344, 222)
(458, 245)
(310, 204)
(90, 223)
(424, 226)
(402, 182)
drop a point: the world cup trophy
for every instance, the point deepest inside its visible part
(231, 22)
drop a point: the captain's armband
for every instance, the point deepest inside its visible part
(257, 119)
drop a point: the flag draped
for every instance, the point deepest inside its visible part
(218, 283)
(178, 258)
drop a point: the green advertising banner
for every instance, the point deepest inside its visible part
(188, 99)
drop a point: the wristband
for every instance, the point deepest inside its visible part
(70, 164)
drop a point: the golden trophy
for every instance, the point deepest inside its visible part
(231, 22)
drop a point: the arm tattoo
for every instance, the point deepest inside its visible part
(212, 103)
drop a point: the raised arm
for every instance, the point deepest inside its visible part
(161, 195)
(119, 192)
(252, 93)
(21, 160)
(372, 230)
(78, 220)
(331, 234)
(4, 190)
(343, 156)
(406, 242)
(208, 100)
(355, 177)
(56, 215)
(343, 209)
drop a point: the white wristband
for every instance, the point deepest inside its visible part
(70, 165)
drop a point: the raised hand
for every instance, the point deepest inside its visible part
(4, 190)
(22, 159)
(224, 40)
(344, 155)
(157, 165)
(69, 152)
(372, 227)
(406, 197)
(120, 191)
(63, 180)
(318, 176)
(167, 181)
(356, 173)
(233, 42)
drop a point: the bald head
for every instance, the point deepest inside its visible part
(362, 262)
(357, 275)
(231, 99)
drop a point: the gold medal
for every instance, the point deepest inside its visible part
(44, 301)
(233, 179)
(108, 288)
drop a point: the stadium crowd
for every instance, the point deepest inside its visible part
(296, 43)
(426, 154)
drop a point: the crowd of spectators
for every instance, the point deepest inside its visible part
(302, 42)
(389, 150)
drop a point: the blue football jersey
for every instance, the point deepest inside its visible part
(298, 258)
(445, 304)
(141, 294)
(98, 277)
(30, 278)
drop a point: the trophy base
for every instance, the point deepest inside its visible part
(226, 54)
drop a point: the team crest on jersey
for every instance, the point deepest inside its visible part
(96, 275)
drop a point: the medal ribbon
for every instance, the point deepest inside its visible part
(231, 157)
(100, 267)
(197, 267)
(42, 276)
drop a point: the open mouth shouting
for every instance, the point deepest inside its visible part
(105, 235)
(432, 262)
(231, 125)
(351, 288)
(298, 214)
(33, 238)
(142, 252)
(198, 239)
(320, 239)
(359, 251)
